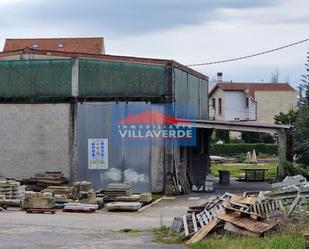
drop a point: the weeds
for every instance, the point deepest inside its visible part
(130, 231)
(289, 236)
(163, 235)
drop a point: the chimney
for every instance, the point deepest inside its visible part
(219, 76)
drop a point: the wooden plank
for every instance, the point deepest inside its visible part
(204, 218)
(203, 231)
(281, 206)
(236, 204)
(266, 208)
(254, 209)
(235, 229)
(247, 223)
(244, 213)
(185, 225)
(209, 216)
(200, 220)
(258, 206)
(213, 212)
(194, 222)
(272, 206)
(294, 204)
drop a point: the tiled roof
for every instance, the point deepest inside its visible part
(251, 88)
(93, 45)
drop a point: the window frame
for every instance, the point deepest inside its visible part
(220, 106)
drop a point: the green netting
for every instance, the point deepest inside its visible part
(120, 79)
(35, 78)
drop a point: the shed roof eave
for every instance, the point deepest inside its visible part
(236, 126)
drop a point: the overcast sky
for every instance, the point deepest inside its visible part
(189, 31)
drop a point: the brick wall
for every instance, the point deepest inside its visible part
(34, 138)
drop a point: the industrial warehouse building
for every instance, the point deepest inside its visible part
(55, 105)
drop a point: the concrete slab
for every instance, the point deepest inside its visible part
(101, 229)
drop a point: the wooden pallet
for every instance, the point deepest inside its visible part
(267, 207)
(191, 223)
(254, 226)
(41, 210)
(242, 213)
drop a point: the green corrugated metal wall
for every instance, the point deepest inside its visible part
(120, 79)
(35, 78)
(190, 90)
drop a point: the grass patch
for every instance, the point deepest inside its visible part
(287, 241)
(162, 235)
(289, 236)
(156, 196)
(130, 231)
(236, 172)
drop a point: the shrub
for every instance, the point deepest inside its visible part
(236, 141)
(222, 135)
(293, 169)
(235, 149)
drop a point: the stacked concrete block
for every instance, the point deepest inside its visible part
(11, 189)
(38, 200)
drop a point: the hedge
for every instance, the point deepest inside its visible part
(234, 149)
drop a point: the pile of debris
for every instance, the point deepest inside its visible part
(11, 192)
(250, 213)
(41, 181)
(78, 198)
(292, 190)
(62, 194)
(83, 193)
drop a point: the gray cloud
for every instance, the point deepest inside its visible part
(121, 17)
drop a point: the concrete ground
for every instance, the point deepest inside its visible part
(102, 229)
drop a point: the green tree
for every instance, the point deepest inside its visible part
(301, 135)
(286, 118)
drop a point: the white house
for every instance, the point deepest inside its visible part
(250, 101)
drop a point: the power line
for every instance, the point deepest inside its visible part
(249, 56)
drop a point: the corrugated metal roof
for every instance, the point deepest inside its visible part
(251, 88)
(92, 45)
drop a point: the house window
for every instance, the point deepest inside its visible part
(220, 106)
(247, 102)
(214, 103)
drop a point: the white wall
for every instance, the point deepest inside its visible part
(214, 113)
(235, 106)
(252, 110)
